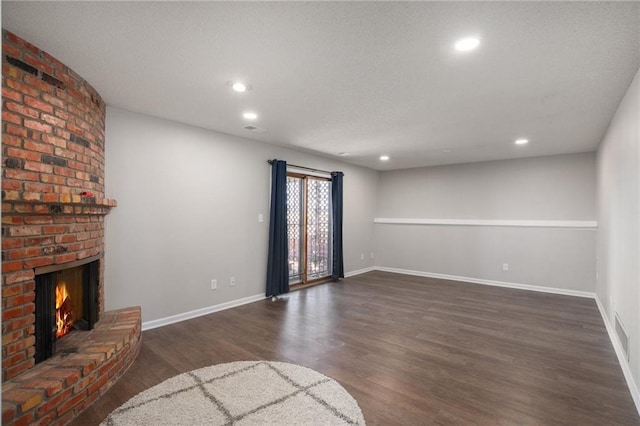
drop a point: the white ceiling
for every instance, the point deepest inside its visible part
(365, 78)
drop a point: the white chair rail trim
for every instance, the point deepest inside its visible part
(580, 224)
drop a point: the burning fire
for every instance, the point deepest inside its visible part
(64, 317)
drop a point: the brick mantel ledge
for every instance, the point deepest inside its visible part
(43, 198)
(55, 391)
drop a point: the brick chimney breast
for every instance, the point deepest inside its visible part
(52, 152)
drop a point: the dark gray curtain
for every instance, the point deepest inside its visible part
(277, 264)
(337, 271)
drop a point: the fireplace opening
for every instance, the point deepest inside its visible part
(66, 300)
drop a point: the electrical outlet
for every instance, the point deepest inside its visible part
(361, 256)
(232, 281)
(372, 255)
(214, 284)
(505, 266)
(260, 217)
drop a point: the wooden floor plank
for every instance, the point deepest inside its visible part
(412, 351)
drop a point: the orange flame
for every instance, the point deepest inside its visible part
(63, 316)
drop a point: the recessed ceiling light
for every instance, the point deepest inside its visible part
(384, 158)
(343, 154)
(466, 44)
(239, 86)
(250, 115)
(446, 150)
(522, 141)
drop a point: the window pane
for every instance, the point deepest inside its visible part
(294, 227)
(318, 229)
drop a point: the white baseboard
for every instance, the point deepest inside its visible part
(148, 325)
(359, 271)
(622, 359)
(529, 287)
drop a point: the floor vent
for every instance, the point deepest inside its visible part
(623, 336)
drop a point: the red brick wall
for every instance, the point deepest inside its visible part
(53, 202)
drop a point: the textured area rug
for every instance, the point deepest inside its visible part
(242, 393)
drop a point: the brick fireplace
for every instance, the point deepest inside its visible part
(53, 210)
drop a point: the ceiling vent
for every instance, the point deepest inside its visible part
(254, 129)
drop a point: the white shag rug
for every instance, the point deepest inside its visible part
(242, 393)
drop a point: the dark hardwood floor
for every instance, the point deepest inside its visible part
(412, 351)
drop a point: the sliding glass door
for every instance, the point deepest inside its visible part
(309, 228)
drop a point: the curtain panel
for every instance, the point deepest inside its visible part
(277, 261)
(337, 271)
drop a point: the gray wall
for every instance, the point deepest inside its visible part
(188, 205)
(560, 187)
(619, 220)
(546, 188)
